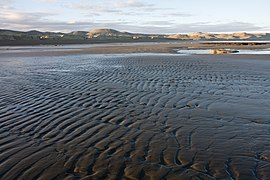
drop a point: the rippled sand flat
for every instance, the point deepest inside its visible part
(135, 117)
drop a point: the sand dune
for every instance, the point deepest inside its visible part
(134, 116)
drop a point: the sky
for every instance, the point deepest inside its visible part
(140, 16)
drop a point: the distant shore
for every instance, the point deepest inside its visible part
(37, 42)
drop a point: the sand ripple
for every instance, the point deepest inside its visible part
(134, 117)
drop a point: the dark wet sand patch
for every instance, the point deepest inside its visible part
(135, 117)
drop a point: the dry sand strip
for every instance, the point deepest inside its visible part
(134, 117)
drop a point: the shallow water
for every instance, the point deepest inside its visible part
(208, 51)
(134, 116)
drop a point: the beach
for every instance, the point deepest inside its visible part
(133, 112)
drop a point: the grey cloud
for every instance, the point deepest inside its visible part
(49, 1)
(94, 8)
(131, 4)
(131, 7)
(159, 23)
(10, 15)
(5, 1)
(127, 8)
(115, 7)
(224, 27)
(179, 14)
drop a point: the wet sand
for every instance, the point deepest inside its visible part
(135, 116)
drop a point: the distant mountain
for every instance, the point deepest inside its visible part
(114, 34)
(29, 35)
(111, 34)
(106, 33)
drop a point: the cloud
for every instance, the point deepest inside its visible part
(131, 9)
(96, 9)
(30, 21)
(161, 27)
(131, 4)
(49, 1)
(213, 27)
(5, 3)
(11, 15)
(12, 18)
(159, 23)
(112, 7)
(179, 14)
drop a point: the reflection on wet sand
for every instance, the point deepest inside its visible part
(134, 116)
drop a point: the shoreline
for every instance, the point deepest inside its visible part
(122, 48)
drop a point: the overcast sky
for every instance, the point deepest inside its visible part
(159, 16)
